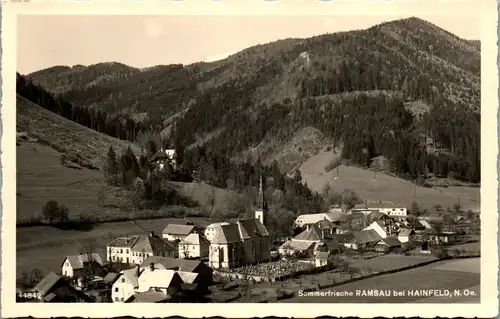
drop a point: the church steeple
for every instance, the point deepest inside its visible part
(261, 204)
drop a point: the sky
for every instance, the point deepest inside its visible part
(143, 41)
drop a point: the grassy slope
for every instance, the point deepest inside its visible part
(385, 187)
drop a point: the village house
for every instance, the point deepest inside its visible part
(387, 207)
(305, 244)
(82, 265)
(126, 284)
(178, 231)
(310, 219)
(245, 242)
(118, 250)
(362, 209)
(365, 239)
(54, 288)
(321, 258)
(163, 157)
(383, 228)
(387, 244)
(148, 297)
(211, 230)
(406, 235)
(195, 245)
(205, 273)
(166, 281)
(149, 246)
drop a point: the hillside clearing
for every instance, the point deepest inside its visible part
(384, 187)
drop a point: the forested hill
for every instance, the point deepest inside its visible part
(405, 89)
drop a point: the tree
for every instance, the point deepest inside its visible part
(112, 168)
(53, 211)
(88, 248)
(415, 208)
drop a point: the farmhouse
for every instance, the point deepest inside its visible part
(387, 207)
(205, 273)
(149, 246)
(363, 239)
(406, 235)
(178, 231)
(311, 219)
(53, 288)
(387, 244)
(321, 258)
(363, 209)
(194, 246)
(164, 157)
(304, 244)
(383, 228)
(119, 249)
(82, 265)
(161, 280)
(126, 284)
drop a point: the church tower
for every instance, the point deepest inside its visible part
(261, 211)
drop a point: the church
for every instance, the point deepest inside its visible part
(242, 243)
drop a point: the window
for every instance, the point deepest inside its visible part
(123, 280)
(121, 299)
(65, 273)
(116, 299)
(127, 251)
(121, 251)
(116, 289)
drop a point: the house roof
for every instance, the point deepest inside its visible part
(110, 277)
(195, 239)
(148, 297)
(414, 223)
(153, 244)
(174, 264)
(125, 242)
(131, 276)
(178, 229)
(325, 224)
(77, 261)
(322, 255)
(390, 241)
(314, 233)
(345, 238)
(383, 204)
(334, 215)
(214, 225)
(297, 245)
(226, 234)
(188, 277)
(405, 232)
(160, 278)
(250, 228)
(47, 283)
(425, 224)
(311, 218)
(366, 236)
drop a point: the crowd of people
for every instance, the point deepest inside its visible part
(272, 269)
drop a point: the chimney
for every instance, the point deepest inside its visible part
(152, 266)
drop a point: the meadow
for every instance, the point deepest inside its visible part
(381, 186)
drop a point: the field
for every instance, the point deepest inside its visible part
(389, 262)
(45, 247)
(384, 187)
(458, 274)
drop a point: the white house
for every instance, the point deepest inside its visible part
(119, 250)
(382, 228)
(405, 235)
(126, 285)
(388, 208)
(166, 281)
(321, 258)
(76, 266)
(178, 231)
(333, 216)
(149, 246)
(193, 246)
(211, 229)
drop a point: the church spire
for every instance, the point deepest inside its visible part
(262, 204)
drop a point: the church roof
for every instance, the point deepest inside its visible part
(226, 234)
(249, 228)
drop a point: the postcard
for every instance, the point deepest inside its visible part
(341, 154)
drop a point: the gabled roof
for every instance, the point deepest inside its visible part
(77, 261)
(297, 245)
(311, 218)
(250, 228)
(415, 223)
(123, 242)
(178, 229)
(47, 283)
(110, 277)
(405, 232)
(334, 216)
(425, 224)
(325, 224)
(159, 278)
(366, 236)
(153, 244)
(195, 239)
(214, 225)
(174, 264)
(314, 233)
(188, 277)
(390, 241)
(226, 234)
(131, 276)
(322, 255)
(148, 297)
(160, 154)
